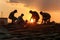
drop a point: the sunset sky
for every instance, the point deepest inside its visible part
(23, 6)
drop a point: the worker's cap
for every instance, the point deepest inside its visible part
(15, 10)
(41, 12)
(30, 11)
(22, 14)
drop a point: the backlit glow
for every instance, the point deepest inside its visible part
(32, 20)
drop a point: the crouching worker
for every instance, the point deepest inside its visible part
(20, 20)
(45, 17)
(34, 15)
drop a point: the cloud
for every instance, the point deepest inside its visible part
(21, 1)
(40, 4)
(51, 5)
(28, 3)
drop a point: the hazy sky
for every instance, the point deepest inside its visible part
(44, 4)
(23, 6)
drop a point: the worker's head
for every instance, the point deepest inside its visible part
(30, 11)
(15, 11)
(22, 14)
(41, 12)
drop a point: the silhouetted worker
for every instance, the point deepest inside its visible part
(12, 17)
(20, 19)
(34, 15)
(45, 17)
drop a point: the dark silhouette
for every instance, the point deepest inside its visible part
(12, 17)
(26, 21)
(34, 15)
(20, 20)
(45, 17)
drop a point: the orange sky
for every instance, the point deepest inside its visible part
(7, 7)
